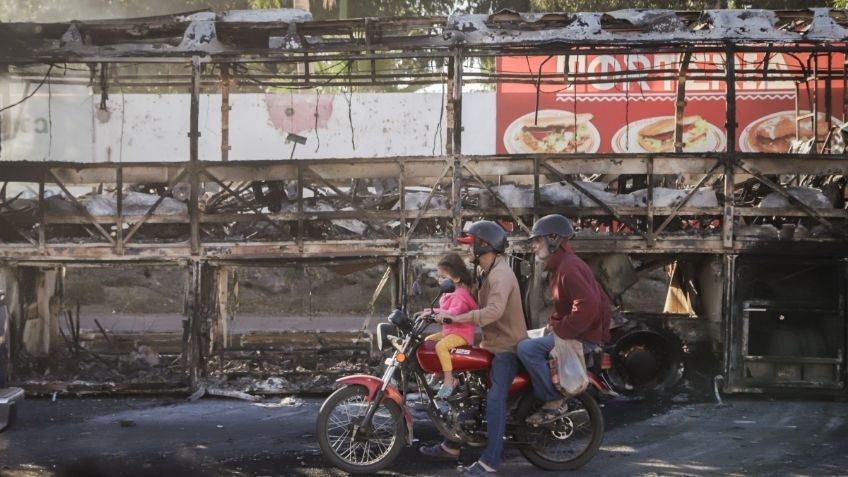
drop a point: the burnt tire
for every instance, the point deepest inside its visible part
(561, 432)
(361, 456)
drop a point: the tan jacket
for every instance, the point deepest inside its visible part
(500, 317)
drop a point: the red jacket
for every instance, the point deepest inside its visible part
(581, 308)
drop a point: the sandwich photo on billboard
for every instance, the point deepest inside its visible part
(554, 131)
(658, 136)
(775, 132)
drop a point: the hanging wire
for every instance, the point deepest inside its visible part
(40, 84)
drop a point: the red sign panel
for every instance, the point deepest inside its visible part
(614, 115)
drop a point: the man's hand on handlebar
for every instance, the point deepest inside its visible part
(444, 318)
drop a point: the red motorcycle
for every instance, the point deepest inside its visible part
(363, 425)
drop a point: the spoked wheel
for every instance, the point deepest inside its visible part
(348, 445)
(568, 443)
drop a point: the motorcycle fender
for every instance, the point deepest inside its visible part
(372, 384)
(596, 383)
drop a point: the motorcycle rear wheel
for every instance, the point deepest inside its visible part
(569, 443)
(340, 413)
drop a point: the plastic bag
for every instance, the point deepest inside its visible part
(568, 367)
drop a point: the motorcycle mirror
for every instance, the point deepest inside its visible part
(447, 286)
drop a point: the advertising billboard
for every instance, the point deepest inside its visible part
(628, 108)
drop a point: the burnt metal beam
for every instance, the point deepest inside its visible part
(82, 209)
(429, 199)
(194, 167)
(685, 200)
(680, 104)
(153, 207)
(730, 126)
(591, 196)
(789, 197)
(243, 202)
(498, 198)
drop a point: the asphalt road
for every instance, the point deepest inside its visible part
(129, 437)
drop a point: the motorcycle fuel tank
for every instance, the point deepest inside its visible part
(464, 358)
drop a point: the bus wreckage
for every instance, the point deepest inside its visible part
(211, 146)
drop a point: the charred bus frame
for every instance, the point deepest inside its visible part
(212, 46)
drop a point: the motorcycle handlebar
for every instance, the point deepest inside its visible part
(431, 318)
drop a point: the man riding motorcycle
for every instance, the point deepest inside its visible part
(581, 310)
(501, 319)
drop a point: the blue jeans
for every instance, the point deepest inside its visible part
(504, 368)
(534, 354)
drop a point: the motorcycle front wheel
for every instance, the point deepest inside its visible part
(568, 443)
(374, 447)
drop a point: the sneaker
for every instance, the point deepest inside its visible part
(444, 392)
(475, 470)
(437, 451)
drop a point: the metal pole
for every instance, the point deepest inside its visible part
(455, 135)
(119, 221)
(5, 99)
(681, 102)
(194, 173)
(225, 112)
(193, 324)
(727, 222)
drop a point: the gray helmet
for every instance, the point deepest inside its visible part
(553, 224)
(554, 228)
(486, 236)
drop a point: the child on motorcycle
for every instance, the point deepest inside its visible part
(458, 334)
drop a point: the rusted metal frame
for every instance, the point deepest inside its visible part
(82, 208)
(680, 105)
(152, 208)
(352, 203)
(191, 333)
(650, 219)
(844, 94)
(194, 167)
(595, 81)
(728, 311)
(627, 75)
(18, 231)
(537, 195)
(730, 125)
(455, 78)
(498, 198)
(789, 197)
(402, 202)
(449, 105)
(225, 112)
(609, 210)
(274, 56)
(300, 226)
(378, 215)
(814, 106)
(828, 96)
(42, 226)
(241, 201)
(369, 39)
(427, 201)
(119, 200)
(686, 199)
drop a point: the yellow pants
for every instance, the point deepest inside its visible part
(443, 347)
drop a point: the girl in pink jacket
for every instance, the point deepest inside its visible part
(457, 334)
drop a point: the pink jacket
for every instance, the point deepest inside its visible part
(454, 304)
